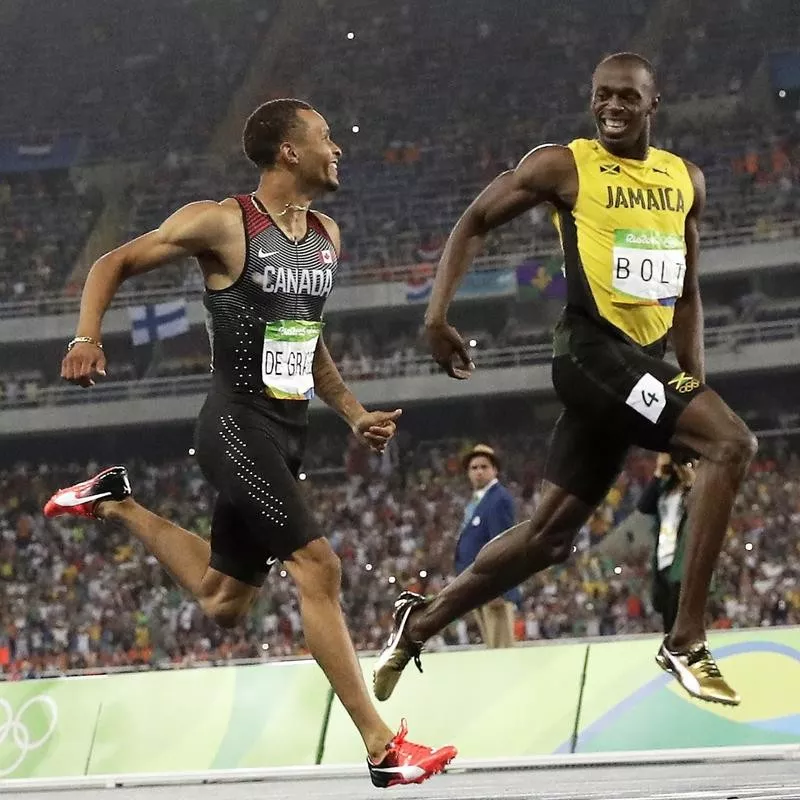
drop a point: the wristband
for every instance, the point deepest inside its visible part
(83, 340)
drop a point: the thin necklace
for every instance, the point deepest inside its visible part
(292, 207)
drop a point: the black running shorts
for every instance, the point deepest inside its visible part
(253, 462)
(615, 395)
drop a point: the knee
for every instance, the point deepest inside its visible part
(226, 612)
(560, 550)
(317, 570)
(552, 546)
(737, 447)
(227, 609)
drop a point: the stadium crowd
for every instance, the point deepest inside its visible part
(394, 215)
(416, 151)
(82, 595)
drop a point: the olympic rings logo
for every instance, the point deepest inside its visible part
(14, 726)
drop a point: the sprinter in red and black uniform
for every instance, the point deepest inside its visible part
(269, 264)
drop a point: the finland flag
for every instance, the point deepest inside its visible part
(157, 322)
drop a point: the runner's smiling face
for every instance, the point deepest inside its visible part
(624, 98)
(317, 154)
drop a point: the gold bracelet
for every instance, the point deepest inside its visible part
(83, 340)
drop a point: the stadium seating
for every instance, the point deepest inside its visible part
(453, 98)
(133, 80)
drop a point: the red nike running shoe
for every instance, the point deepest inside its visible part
(81, 499)
(406, 762)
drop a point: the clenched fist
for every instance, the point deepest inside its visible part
(83, 363)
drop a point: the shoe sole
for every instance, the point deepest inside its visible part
(386, 656)
(437, 770)
(665, 665)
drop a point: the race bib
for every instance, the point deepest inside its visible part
(648, 267)
(288, 358)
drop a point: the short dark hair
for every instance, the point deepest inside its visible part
(631, 58)
(268, 127)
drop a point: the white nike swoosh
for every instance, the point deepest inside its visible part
(69, 499)
(263, 254)
(271, 560)
(409, 773)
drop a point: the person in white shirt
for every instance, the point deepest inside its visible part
(665, 500)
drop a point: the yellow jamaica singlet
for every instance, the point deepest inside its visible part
(623, 242)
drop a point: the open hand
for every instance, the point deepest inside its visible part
(449, 350)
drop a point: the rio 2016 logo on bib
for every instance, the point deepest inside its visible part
(647, 267)
(287, 359)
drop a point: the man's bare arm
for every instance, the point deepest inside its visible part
(687, 327)
(540, 177)
(328, 382)
(372, 428)
(331, 388)
(194, 229)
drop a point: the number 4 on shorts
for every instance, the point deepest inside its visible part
(647, 397)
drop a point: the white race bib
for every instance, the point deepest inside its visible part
(648, 267)
(287, 359)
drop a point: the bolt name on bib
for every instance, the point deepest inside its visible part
(648, 267)
(287, 359)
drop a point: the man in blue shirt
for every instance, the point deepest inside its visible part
(489, 512)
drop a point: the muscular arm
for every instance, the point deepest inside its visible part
(372, 428)
(330, 387)
(328, 382)
(687, 326)
(192, 230)
(543, 175)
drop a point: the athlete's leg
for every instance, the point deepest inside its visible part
(663, 408)
(583, 462)
(316, 572)
(725, 446)
(506, 561)
(225, 596)
(582, 465)
(186, 556)
(261, 515)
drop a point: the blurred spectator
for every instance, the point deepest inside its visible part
(489, 512)
(77, 595)
(665, 502)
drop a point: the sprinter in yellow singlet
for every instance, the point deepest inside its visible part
(627, 214)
